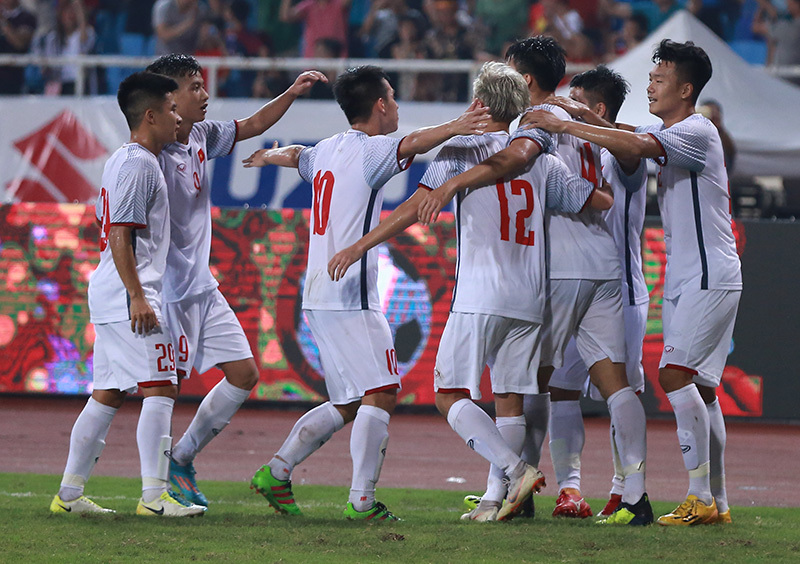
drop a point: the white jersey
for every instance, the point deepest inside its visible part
(347, 173)
(626, 220)
(695, 208)
(500, 267)
(133, 194)
(189, 185)
(580, 245)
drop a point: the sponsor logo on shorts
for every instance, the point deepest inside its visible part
(216, 431)
(685, 448)
(471, 444)
(669, 349)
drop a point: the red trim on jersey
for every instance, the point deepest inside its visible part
(529, 139)
(453, 391)
(382, 389)
(586, 203)
(428, 188)
(663, 151)
(134, 225)
(155, 383)
(681, 368)
(236, 136)
(410, 159)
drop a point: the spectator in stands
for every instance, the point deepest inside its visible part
(321, 19)
(718, 15)
(211, 44)
(325, 48)
(633, 32)
(381, 27)
(16, 33)
(656, 11)
(136, 41)
(176, 23)
(408, 46)
(448, 39)
(783, 34)
(556, 19)
(240, 41)
(501, 22)
(71, 36)
(712, 110)
(283, 37)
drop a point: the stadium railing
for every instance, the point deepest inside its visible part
(467, 68)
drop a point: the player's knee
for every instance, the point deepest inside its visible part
(671, 379)
(242, 374)
(560, 394)
(445, 400)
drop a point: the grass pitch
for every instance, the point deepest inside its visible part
(240, 527)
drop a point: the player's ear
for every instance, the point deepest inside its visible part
(380, 105)
(687, 90)
(600, 109)
(149, 116)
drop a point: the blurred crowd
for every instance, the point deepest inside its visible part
(592, 31)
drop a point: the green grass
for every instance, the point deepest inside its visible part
(240, 527)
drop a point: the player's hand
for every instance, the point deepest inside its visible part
(305, 81)
(259, 158)
(573, 107)
(143, 318)
(434, 203)
(473, 121)
(341, 261)
(543, 120)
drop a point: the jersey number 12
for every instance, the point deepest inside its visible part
(518, 188)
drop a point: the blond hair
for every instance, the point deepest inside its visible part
(503, 90)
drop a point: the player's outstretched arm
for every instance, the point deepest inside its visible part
(143, 318)
(577, 110)
(269, 114)
(288, 156)
(625, 145)
(471, 122)
(511, 160)
(404, 216)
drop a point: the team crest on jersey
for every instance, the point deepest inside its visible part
(201, 155)
(182, 167)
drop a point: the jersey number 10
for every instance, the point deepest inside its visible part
(518, 188)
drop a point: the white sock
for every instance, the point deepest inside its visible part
(310, 432)
(628, 419)
(212, 416)
(567, 437)
(368, 440)
(536, 408)
(480, 433)
(618, 481)
(153, 438)
(716, 453)
(86, 442)
(694, 432)
(512, 429)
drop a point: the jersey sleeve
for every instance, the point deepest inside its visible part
(538, 136)
(564, 191)
(305, 163)
(449, 162)
(136, 184)
(684, 144)
(633, 182)
(381, 160)
(220, 136)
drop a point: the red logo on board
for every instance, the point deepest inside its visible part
(52, 150)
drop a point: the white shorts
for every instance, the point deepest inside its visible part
(698, 327)
(590, 311)
(573, 374)
(205, 332)
(124, 360)
(471, 341)
(356, 352)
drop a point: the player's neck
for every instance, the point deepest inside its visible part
(539, 96)
(371, 127)
(183, 132)
(146, 140)
(493, 126)
(677, 115)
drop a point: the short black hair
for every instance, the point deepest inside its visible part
(357, 89)
(602, 84)
(542, 58)
(691, 62)
(140, 92)
(176, 65)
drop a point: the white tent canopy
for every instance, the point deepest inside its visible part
(761, 112)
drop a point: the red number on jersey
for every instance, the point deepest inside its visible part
(391, 362)
(166, 360)
(105, 225)
(196, 178)
(183, 349)
(588, 166)
(518, 188)
(323, 187)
